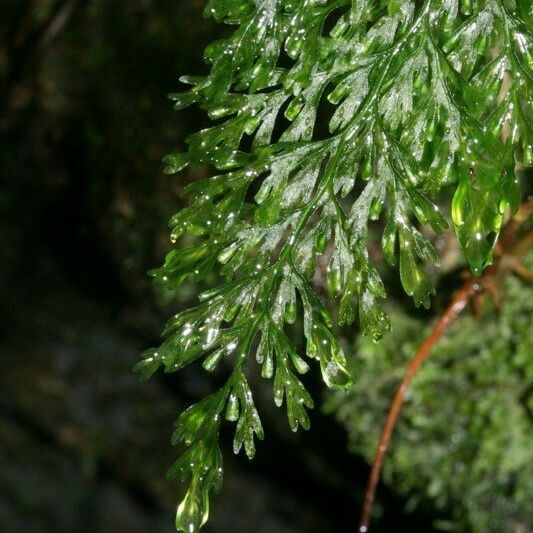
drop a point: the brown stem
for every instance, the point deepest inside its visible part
(470, 287)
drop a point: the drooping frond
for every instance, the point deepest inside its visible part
(423, 98)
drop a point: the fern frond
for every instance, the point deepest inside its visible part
(426, 97)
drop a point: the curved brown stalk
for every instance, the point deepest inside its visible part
(470, 288)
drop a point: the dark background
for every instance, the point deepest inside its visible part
(84, 206)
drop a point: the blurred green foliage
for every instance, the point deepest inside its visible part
(464, 436)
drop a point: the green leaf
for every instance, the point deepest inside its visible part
(249, 423)
(484, 193)
(426, 101)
